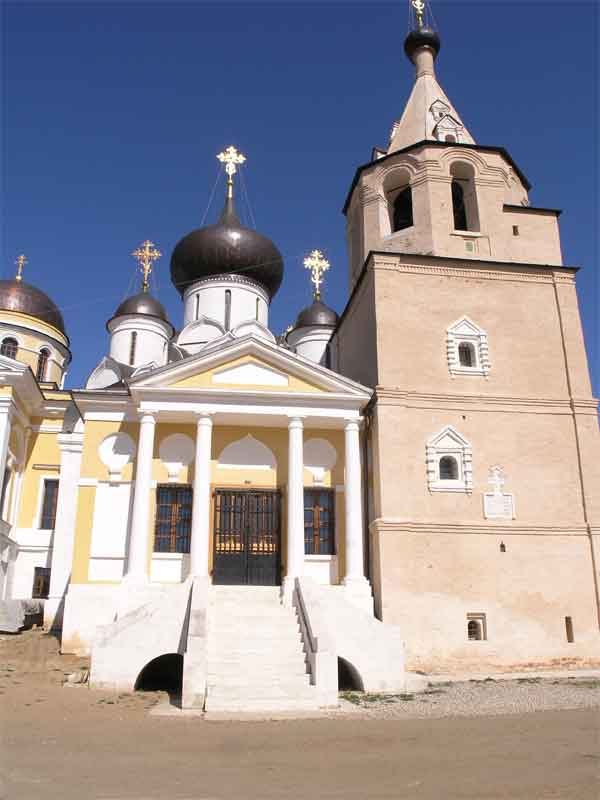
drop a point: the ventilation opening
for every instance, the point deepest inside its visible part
(164, 673)
(348, 677)
(569, 629)
(476, 627)
(515, 230)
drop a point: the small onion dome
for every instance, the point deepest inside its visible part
(425, 37)
(316, 315)
(223, 249)
(142, 304)
(26, 299)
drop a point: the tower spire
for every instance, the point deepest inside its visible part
(232, 159)
(318, 265)
(146, 255)
(20, 262)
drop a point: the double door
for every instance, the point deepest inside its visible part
(247, 537)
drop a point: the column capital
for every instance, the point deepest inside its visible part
(295, 422)
(204, 418)
(352, 424)
(70, 442)
(147, 417)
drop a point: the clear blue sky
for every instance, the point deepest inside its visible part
(112, 114)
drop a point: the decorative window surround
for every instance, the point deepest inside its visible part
(465, 330)
(449, 442)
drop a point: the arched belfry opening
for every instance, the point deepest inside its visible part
(465, 209)
(164, 673)
(399, 196)
(349, 677)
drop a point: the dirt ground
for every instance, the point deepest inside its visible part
(78, 744)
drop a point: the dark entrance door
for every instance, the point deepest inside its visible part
(247, 536)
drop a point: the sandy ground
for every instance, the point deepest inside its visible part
(77, 744)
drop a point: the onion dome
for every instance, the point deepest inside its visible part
(142, 303)
(227, 248)
(316, 315)
(16, 295)
(424, 37)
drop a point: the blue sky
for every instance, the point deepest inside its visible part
(112, 114)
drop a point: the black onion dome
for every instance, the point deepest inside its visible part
(425, 37)
(26, 299)
(227, 248)
(317, 314)
(142, 303)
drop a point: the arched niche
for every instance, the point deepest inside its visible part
(320, 456)
(398, 194)
(116, 451)
(247, 453)
(176, 452)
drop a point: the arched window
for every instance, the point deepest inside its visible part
(466, 355)
(403, 210)
(458, 207)
(474, 630)
(257, 308)
(132, 348)
(9, 348)
(227, 309)
(42, 363)
(448, 469)
(450, 137)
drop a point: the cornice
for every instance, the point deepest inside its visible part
(490, 527)
(389, 396)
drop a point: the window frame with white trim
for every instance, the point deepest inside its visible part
(445, 445)
(462, 334)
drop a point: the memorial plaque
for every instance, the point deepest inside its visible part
(498, 505)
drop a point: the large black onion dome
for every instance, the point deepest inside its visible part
(26, 299)
(317, 314)
(425, 37)
(227, 248)
(142, 303)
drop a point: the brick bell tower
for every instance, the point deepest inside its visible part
(483, 442)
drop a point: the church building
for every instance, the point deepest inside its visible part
(410, 487)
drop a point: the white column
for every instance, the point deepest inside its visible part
(137, 554)
(355, 573)
(71, 448)
(295, 505)
(5, 426)
(201, 504)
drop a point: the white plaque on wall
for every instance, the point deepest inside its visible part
(498, 504)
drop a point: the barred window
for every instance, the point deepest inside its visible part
(319, 522)
(173, 528)
(9, 348)
(41, 583)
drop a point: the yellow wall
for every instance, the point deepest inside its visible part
(30, 342)
(42, 449)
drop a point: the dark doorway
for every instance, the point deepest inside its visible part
(246, 537)
(164, 673)
(348, 677)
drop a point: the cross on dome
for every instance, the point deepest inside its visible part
(318, 265)
(146, 255)
(232, 158)
(419, 7)
(20, 262)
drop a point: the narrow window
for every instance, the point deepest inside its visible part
(42, 364)
(502, 547)
(569, 629)
(132, 347)
(450, 137)
(173, 527)
(5, 482)
(448, 469)
(197, 314)
(403, 210)
(515, 230)
(227, 309)
(41, 583)
(458, 207)
(466, 354)
(476, 627)
(257, 308)
(49, 504)
(9, 348)
(319, 522)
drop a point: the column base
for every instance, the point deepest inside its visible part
(358, 591)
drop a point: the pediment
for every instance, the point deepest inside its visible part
(465, 327)
(448, 439)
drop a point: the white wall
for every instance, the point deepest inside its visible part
(311, 343)
(153, 336)
(207, 298)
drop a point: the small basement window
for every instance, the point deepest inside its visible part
(41, 583)
(569, 629)
(476, 628)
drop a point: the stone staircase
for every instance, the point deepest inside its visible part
(256, 660)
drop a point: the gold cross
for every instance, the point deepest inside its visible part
(20, 262)
(146, 254)
(317, 264)
(419, 7)
(231, 158)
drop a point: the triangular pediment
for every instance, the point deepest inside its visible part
(465, 327)
(249, 364)
(448, 439)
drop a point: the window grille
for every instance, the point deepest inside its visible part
(9, 348)
(319, 522)
(173, 527)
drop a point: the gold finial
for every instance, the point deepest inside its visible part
(146, 254)
(231, 158)
(317, 264)
(20, 262)
(419, 7)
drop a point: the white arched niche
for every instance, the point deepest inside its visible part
(320, 457)
(176, 452)
(116, 451)
(247, 453)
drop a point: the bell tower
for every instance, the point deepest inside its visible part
(436, 191)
